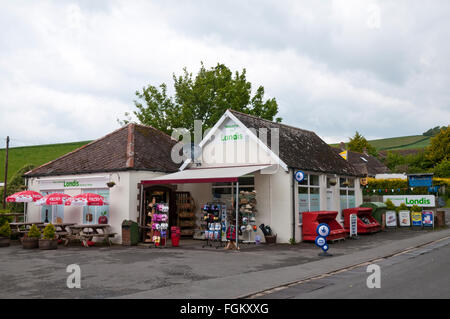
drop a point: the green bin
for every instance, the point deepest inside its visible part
(130, 233)
(378, 209)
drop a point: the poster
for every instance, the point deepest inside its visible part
(416, 218)
(404, 218)
(427, 218)
(391, 218)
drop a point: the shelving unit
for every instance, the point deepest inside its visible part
(185, 213)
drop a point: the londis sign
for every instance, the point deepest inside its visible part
(231, 133)
(73, 183)
(411, 200)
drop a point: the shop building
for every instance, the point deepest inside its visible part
(241, 152)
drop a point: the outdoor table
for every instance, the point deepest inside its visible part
(16, 227)
(62, 229)
(87, 232)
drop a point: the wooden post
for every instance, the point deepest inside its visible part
(6, 173)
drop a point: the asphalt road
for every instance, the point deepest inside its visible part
(421, 273)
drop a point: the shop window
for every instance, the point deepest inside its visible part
(347, 193)
(91, 214)
(308, 195)
(54, 213)
(225, 191)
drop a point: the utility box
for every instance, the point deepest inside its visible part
(130, 233)
(366, 223)
(313, 219)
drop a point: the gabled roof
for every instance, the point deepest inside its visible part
(132, 147)
(365, 164)
(300, 149)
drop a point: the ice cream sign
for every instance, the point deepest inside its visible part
(411, 200)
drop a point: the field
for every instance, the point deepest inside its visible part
(399, 143)
(37, 155)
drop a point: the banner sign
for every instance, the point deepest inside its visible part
(73, 183)
(416, 218)
(411, 200)
(420, 180)
(353, 225)
(404, 218)
(391, 218)
(427, 218)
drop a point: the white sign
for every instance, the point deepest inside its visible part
(73, 183)
(391, 218)
(353, 225)
(411, 200)
(404, 218)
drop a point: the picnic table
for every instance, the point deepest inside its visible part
(23, 228)
(87, 232)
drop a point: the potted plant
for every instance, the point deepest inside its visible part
(31, 240)
(5, 234)
(110, 184)
(48, 240)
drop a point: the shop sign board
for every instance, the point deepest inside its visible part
(353, 225)
(73, 183)
(416, 218)
(427, 218)
(411, 200)
(404, 218)
(420, 180)
(299, 176)
(391, 218)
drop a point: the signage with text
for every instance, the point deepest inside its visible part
(411, 200)
(75, 183)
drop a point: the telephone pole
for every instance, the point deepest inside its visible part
(6, 173)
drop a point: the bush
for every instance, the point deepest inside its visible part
(402, 207)
(416, 208)
(5, 230)
(4, 218)
(442, 169)
(49, 232)
(34, 232)
(390, 205)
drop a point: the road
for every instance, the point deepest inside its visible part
(420, 273)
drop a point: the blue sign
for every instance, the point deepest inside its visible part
(321, 241)
(325, 247)
(420, 180)
(299, 176)
(323, 230)
(427, 219)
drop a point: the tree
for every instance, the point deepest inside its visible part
(433, 131)
(358, 143)
(442, 169)
(205, 97)
(17, 184)
(439, 150)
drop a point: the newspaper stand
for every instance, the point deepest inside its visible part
(313, 219)
(367, 224)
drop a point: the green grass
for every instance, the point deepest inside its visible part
(399, 143)
(37, 155)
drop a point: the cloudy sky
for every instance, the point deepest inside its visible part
(69, 69)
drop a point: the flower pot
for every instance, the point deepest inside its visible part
(30, 243)
(271, 239)
(4, 241)
(48, 244)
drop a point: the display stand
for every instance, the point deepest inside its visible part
(247, 212)
(159, 224)
(185, 213)
(214, 218)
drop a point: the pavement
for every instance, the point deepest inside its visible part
(188, 271)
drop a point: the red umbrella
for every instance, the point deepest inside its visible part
(53, 199)
(24, 197)
(87, 199)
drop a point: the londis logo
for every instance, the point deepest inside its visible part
(422, 201)
(232, 137)
(72, 184)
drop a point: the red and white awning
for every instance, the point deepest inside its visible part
(24, 197)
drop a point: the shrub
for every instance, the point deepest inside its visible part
(402, 207)
(416, 208)
(390, 205)
(34, 232)
(5, 230)
(4, 218)
(49, 232)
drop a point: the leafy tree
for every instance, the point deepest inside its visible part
(358, 142)
(433, 131)
(393, 160)
(442, 169)
(17, 184)
(204, 97)
(439, 150)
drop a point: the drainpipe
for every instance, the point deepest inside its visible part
(293, 204)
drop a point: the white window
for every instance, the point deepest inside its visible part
(91, 214)
(225, 192)
(308, 195)
(347, 192)
(52, 213)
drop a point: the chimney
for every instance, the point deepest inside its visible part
(365, 151)
(342, 146)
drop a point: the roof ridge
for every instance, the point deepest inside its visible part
(266, 120)
(78, 149)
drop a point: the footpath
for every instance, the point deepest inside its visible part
(242, 285)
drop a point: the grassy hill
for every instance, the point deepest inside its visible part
(399, 143)
(37, 155)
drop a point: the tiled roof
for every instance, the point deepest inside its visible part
(132, 147)
(365, 164)
(301, 149)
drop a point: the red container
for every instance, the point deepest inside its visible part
(175, 236)
(313, 219)
(366, 222)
